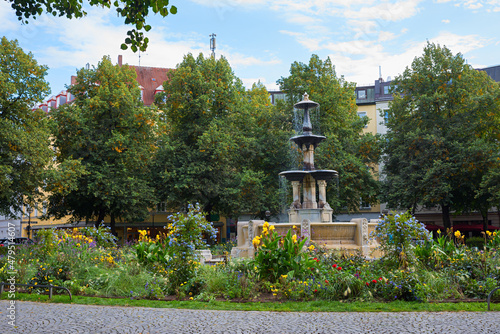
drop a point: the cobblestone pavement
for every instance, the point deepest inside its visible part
(66, 318)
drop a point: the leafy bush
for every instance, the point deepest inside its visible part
(276, 256)
(101, 235)
(397, 234)
(184, 237)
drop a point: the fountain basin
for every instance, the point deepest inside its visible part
(343, 236)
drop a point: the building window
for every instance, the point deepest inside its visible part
(62, 99)
(362, 114)
(386, 116)
(365, 205)
(386, 90)
(361, 94)
(161, 207)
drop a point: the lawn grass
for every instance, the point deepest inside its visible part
(312, 306)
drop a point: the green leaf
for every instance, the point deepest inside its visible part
(173, 10)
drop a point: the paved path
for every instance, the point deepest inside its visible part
(75, 319)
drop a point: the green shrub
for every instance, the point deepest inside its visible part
(185, 236)
(475, 242)
(276, 256)
(396, 233)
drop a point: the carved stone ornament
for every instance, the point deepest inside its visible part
(250, 232)
(364, 230)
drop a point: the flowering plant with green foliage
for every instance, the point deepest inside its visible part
(492, 240)
(150, 251)
(396, 233)
(101, 235)
(184, 238)
(276, 256)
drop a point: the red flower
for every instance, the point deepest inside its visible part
(315, 259)
(380, 278)
(334, 265)
(374, 281)
(326, 281)
(339, 268)
(315, 290)
(367, 283)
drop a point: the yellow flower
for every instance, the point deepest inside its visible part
(294, 238)
(457, 234)
(438, 231)
(190, 298)
(311, 248)
(294, 226)
(256, 241)
(266, 225)
(488, 233)
(271, 228)
(494, 234)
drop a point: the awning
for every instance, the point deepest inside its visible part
(433, 227)
(472, 228)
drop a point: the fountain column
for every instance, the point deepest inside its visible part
(308, 151)
(309, 201)
(296, 194)
(322, 193)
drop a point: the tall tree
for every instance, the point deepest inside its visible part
(134, 12)
(214, 151)
(112, 136)
(24, 133)
(346, 149)
(443, 126)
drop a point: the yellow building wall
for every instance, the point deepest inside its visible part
(371, 127)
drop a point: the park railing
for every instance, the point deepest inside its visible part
(50, 286)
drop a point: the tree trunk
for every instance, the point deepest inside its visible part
(484, 214)
(113, 225)
(445, 212)
(100, 218)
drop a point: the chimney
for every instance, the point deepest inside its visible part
(120, 59)
(73, 80)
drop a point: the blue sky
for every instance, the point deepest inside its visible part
(261, 39)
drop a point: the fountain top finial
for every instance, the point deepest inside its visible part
(305, 103)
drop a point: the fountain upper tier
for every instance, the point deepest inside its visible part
(308, 177)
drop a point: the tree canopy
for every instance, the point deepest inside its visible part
(443, 135)
(24, 133)
(133, 11)
(219, 146)
(105, 140)
(346, 149)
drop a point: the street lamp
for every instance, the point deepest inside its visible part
(29, 209)
(153, 213)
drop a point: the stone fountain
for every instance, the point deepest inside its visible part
(312, 214)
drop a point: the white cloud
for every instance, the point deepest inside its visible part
(446, 21)
(237, 59)
(365, 68)
(386, 36)
(312, 44)
(386, 11)
(488, 5)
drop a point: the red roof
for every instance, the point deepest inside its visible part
(150, 78)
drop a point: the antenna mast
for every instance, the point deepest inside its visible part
(212, 44)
